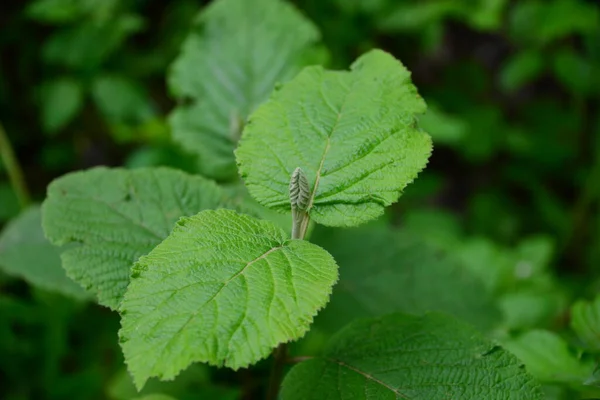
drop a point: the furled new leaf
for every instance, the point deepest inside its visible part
(26, 253)
(353, 133)
(384, 270)
(230, 63)
(114, 216)
(225, 289)
(399, 356)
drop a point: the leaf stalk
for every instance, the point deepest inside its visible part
(299, 199)
(279, 360)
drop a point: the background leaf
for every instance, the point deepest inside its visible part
(61, 11)
(26, 253)
(113, 216)
(86, 46)
(10, 202)
(121, 100)
(224, 288)
(193, 383)
(549, 358)
(353, 133)
(60, 101)
(521, 70)
(384, 270)
(229, 64)
(155, 397)
(401, 356)
(585, 321)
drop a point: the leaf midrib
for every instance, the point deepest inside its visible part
(193, 315)
(367, 376)
(328, 145)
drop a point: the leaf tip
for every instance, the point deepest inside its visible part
(139, 382)
(137, 269)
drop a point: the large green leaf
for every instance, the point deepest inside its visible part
(26, 253)
(239, 199)
(224, 288)
(354, 134)
(384, 271)
(229, 65)
(114, 216)
(433, 357)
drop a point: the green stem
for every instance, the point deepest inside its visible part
(279, 360)
(15, 173)
(299, 359)
(300, 220)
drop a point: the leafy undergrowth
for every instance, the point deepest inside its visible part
(294, 219)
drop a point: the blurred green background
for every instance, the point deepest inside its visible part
(513, 91)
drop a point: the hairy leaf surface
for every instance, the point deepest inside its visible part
(229, 65)
(114, 216)
(383, 270)
(354, 133)
(225, 289)
(399, 356)
(26, 253)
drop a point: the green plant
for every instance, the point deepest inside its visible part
(226, 288)
(470, 285)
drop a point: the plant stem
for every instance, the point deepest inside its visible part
(299, 223)
(279, 359)
(300, 219)
(299, 359)
(15, 173)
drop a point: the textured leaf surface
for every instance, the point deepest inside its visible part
(585, 321)
(229, 65)
(224, 288)
(354, 134)
(114, 216)
(26, 253)
(384, 271)
(433, 357)
(240, 200)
